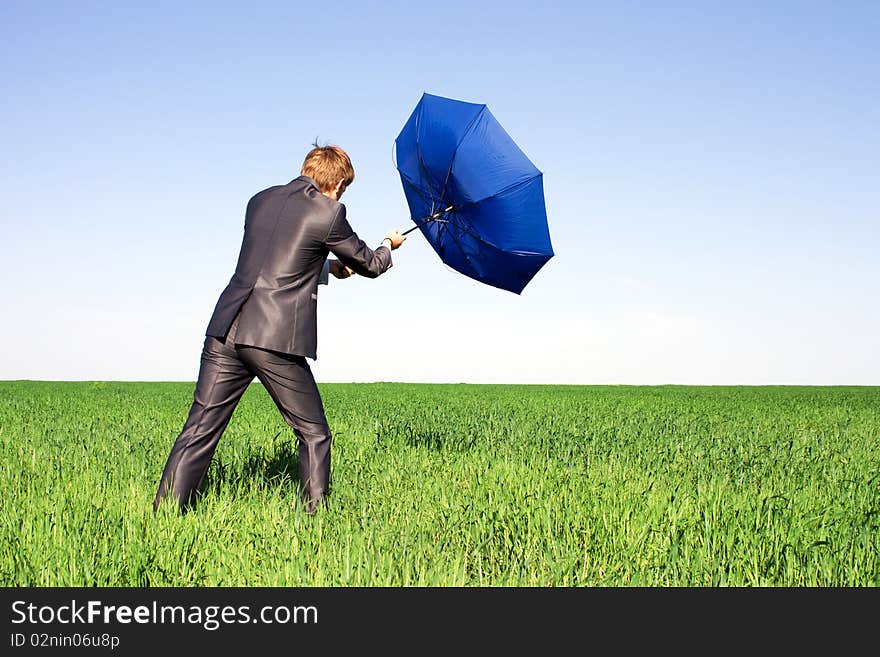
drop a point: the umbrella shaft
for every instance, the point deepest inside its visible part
(430, 217)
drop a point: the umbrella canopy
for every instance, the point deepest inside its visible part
(476, 197)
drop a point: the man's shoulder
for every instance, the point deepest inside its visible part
(303, 185)
(304, 193)
(267, 193)
(306, 189)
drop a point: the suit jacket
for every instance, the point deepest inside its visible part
(289, 230)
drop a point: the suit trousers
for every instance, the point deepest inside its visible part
(226, 371)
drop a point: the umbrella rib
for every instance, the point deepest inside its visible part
(421, 161)
(467, 229)
(490, 244)
(418, 190)
(472, 203)
(477, 237)
(458, 244)
(510, 187)
(455, 150)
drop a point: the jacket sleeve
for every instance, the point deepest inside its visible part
(351, 250)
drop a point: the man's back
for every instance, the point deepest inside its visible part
(289, 231)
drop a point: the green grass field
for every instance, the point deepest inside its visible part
(451, 485)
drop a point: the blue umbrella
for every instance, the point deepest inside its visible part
(476, 197)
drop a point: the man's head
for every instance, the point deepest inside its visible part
(331, 168)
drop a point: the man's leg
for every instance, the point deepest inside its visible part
(289, 381)
(223, 379)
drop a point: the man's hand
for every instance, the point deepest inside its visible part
(339, 270)
(395, 238)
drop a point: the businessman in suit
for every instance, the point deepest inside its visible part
(264, 324)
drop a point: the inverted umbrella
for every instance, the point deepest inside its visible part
(475, 196)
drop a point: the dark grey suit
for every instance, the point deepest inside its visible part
(264, 325)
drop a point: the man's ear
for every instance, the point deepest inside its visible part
(339, 186)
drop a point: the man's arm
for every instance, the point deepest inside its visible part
(352, 252)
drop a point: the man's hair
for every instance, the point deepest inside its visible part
(327, 164)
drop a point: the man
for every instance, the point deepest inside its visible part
(265, 323)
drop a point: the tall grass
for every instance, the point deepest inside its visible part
(451, 485)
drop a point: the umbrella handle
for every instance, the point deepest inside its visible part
(430, 217)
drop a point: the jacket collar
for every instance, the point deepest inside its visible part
(306, 179)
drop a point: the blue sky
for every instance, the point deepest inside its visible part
(710, 170)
